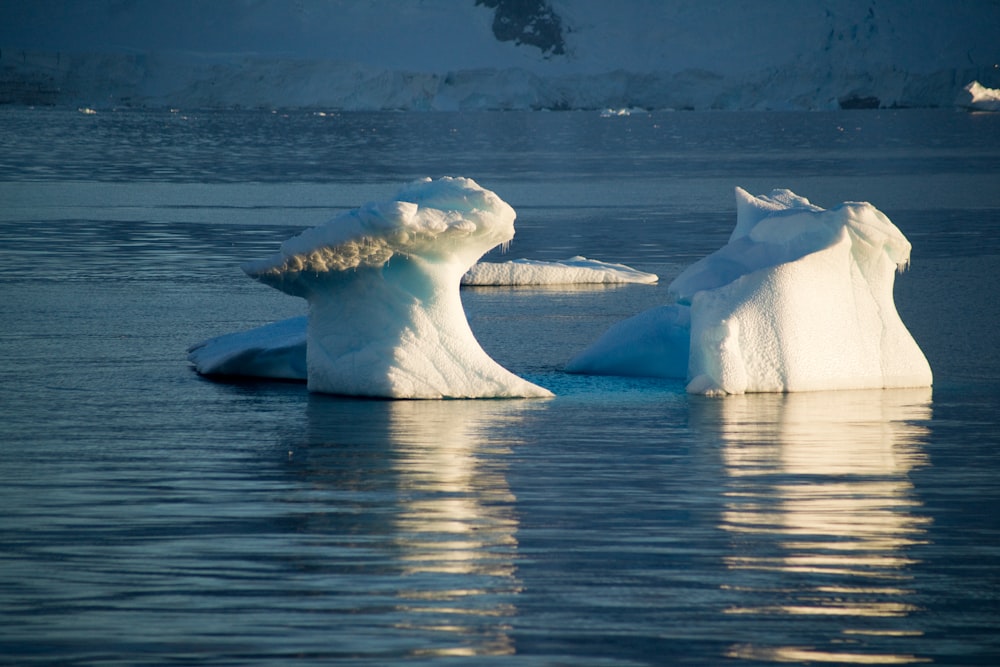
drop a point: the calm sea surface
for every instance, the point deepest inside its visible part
(151, 517)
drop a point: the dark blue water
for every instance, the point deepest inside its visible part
(150, 517)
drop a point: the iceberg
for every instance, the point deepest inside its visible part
(385, 315)
(799, 299)
(977, 97)
(573, 271)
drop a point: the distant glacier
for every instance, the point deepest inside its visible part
(496, 54)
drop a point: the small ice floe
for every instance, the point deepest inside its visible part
(573, 271)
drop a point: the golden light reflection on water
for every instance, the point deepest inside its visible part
(457, 529)
(423, 485)
(801, 654)
(822, 515)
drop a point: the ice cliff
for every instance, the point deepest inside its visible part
(496, 54)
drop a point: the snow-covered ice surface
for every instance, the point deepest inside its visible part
(385, 315)
(977, 97)
(542, 54)
(573, 271)
(799, 299)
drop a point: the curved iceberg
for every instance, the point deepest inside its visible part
(385, 315)
(573, 271)
(799, 299)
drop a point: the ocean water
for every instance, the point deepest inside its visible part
(151, 517)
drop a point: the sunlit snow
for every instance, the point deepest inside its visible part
(799, 299)
(978, 97)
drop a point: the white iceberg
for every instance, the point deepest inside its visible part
(799, 299)
(978, 97)
(573, 271)
(385, 314)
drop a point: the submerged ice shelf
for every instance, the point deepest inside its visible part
(799, 299)
(278, 350)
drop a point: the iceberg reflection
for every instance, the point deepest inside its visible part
(823, 518)
(447, 528)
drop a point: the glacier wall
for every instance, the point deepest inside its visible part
(496, 54)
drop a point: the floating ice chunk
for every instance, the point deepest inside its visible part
(799, 299)
(382, 282)
(575, 270)
(978, 97)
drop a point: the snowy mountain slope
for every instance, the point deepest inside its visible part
(506, 54)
